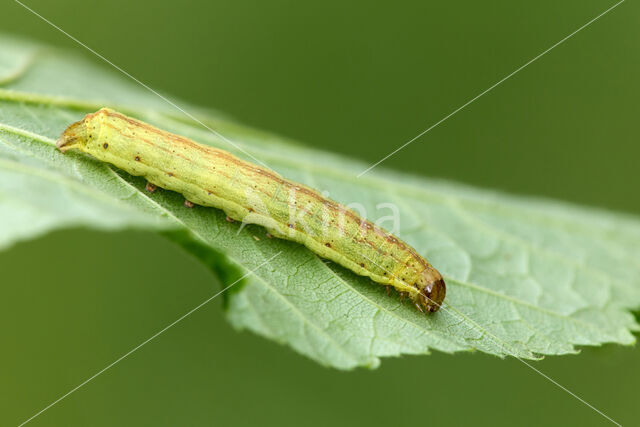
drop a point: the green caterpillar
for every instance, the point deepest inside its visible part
(255, 195)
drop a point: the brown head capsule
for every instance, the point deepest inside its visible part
(432, 290)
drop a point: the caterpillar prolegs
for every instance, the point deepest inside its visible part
(256, 195)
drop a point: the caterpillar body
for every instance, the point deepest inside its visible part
(256, 195)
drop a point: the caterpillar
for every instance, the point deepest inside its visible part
(253, 194)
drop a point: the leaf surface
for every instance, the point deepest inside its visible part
(525, 277)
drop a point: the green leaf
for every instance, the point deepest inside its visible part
(526, 277)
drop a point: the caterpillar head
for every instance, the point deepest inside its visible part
(432, 290)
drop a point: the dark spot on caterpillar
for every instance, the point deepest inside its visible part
(250, 209)
(170, 173)
(137, 158)
(290, 225)
(188, 204)
(105, 145)
(328, 245)
(362, 264)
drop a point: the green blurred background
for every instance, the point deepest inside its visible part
(359, 78)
